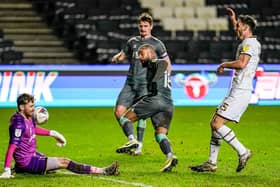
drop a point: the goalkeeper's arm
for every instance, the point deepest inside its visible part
(61, 141)
(8, 160)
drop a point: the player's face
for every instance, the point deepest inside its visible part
(143, 55)
(145, 29)
(241, 28)
(28, 109)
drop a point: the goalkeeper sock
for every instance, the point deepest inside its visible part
(229, 136)
(81, 168)
(215, 144)
(141, 125)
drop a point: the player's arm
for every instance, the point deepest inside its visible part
(241, 63)
(61, 141)
(169, 67)
(8, 160)
(161, 67)
(232, 18)
(119, 57)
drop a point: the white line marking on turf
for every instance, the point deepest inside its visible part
(109, 179)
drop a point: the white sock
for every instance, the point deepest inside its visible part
(229, 136)
(140, 145)
(215, 144)
(131, 137)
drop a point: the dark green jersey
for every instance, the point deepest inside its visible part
(137, 73)
(158, 75)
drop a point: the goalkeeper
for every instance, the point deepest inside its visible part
(22, 146)
(157, 105)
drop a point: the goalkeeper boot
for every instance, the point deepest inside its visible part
(169, 164)
(112, 169)
(243, 159)
(206, 166)
(131, 144)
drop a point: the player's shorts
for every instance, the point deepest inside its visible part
(129, 93)
(37, 165)
(234, 105)
(158, 108)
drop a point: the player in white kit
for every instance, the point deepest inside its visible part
(236, 102)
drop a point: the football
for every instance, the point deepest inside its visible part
(41, 115)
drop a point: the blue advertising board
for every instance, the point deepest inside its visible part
(99, 85)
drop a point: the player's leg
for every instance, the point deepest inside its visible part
(126, 123)
(141, 126)
(229, 136)
(55, 163)
(211, 163)
(161, 122)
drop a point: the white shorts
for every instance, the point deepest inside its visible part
(234, 105)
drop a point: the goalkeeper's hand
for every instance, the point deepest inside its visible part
(61, 141)
(6, 174)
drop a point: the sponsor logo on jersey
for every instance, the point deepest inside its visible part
(245, 48)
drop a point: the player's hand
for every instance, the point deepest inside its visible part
(61, 141)
(152, 88)
(231, 13)
(116, 58)
(220, 70)
(6, 174)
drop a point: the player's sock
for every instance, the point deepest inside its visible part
(215, 144)
(81, 168)
(229, 136)
(164, 144)
(127, 127)
(141, 125)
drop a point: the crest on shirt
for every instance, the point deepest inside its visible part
(245, 48)
(18, 132)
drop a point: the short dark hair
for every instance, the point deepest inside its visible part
(145, 17)
(248, 20)
(24, 99)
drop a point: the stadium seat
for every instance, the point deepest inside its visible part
(217, 24)
(162, 12)
(194, 3)
(195, 24)
(184, 12)
(173, 24)
(173, 3)
(206, 12)
(151, 3)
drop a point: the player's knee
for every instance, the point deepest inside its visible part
(119, 111)
(159, 137)
(216, 122)
(63, 162)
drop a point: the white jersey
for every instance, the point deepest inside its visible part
(243, 78)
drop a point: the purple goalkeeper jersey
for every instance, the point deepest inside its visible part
(22, 134)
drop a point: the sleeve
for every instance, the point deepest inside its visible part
(127, 49)
(161, 50)
(9, 155)
(16, 129)
(160, 69)
(247, 48)
(41, 131)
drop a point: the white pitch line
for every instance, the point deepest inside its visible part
(110, 179)
(103, 178)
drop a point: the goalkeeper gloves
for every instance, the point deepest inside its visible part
(152, 88)
(61, 141)
(6, 174)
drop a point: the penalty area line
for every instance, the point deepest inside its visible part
(109, 179)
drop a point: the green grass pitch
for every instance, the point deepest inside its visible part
(93, 135)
